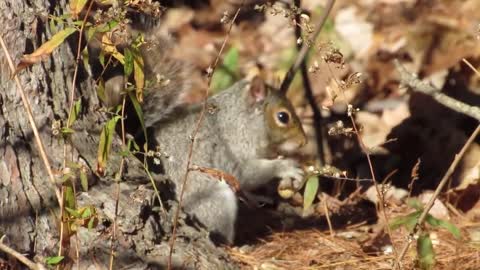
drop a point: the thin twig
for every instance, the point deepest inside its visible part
(104, 69)
(117, 190)
(150, 177)
(418, 225)
(70, 111)
(72, 96)
(327, 215)
(370, 165)
(74, 79)
(20, 257)
(303, 52)
(471, 66)
(417, 85)
(346, 178)
(193, 137)
(62, 224)
(317, 115)
(381, 198)
(28, 108)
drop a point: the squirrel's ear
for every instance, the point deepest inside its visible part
(258, 90)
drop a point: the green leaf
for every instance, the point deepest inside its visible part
(89, 32)
(138, 41)
(221, 79)
(53, 260)
(105, 143)
(415, 203)
(101, 90)
(408, 221)
(91, 223)
(131, 143)
(77, 107)
(101, 58)
(226, 74)
(66, 130)
(73, 212)
(64, 17)
(128, 66)
(125, 152)
(83, 180)
(108, 26)
(311, 188)
(135, 146)
(69, 197)
(425, 252)
(138, 74)
(73, 165)
(230, 61)
(52, 26)
(435, 222)
(139, 112)
(86, 212)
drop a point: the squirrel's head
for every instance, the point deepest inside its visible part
(284, 128)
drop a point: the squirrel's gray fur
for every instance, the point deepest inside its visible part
(233, 138)
(168, 79)
(237, 136)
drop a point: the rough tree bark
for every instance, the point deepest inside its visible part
(28, 207)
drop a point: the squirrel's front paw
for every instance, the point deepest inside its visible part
(290, 174)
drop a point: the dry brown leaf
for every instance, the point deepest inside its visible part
(45, 50)
(220, 175)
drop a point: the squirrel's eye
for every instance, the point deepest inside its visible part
(283, 117)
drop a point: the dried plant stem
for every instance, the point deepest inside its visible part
(370, 165)
(304, 50)
(381, 198)
(62, 224)
(372, 172)
(10, 251)
(70, 110)
(345, 178)
(193, 136)
(74, 79)
(117, 189)
(418, 225)
(28, 108)
(327, 215)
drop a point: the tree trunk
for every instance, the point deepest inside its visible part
(29, 211)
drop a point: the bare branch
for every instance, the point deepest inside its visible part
(10, 251)
(195, 132)
(303, 52)
(416, 84)
(28, 108)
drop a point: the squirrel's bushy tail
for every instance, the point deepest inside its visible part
(168, 79)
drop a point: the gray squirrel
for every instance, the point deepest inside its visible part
(245, 126)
